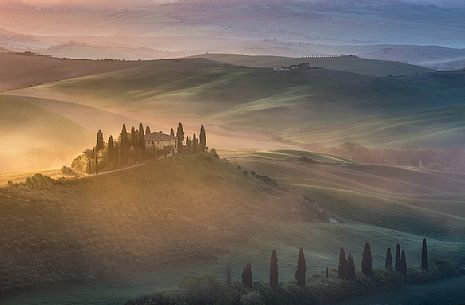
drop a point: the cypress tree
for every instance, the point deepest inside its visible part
(100, 144)
(95, 160)
(350, 268)
(124, 149)
(388, 262)
(341, 268)
(141, 140)
(301, 272)
(180, 136)
(367, 260)
(327, 273)
(147, 130)
(403, 263)
(203, 139)
(195, 144)
(172, 132)
(247, 276)
(424, 256)
(188, 144)
(398, 258)
(274, 284)
(134, 138)
(111, 149)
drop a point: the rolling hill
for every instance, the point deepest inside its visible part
(356, 65)
(318, 106)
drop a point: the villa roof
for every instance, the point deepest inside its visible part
(159, 136)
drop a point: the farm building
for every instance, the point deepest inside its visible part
(158, 141)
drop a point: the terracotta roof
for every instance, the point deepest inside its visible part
(159, 136)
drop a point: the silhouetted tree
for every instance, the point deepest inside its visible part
(388, 262)
(247, 279)
(301, 272)
(341, 268)
(180, 136)
(147, 130)
(134, 138)
(172, 132)
(274, 284)
(124, 149)
(95, 153)
(398, 258)
(141, 140)
(100, 144)
(202, 139)
(403, 263)
(424, 256)
(111, 150)
(350, 268)
(367, 260)
(195, 144)
(327, 273)
(188, 144)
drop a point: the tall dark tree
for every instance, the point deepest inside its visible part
(180, 136)
(274, 279)
(195, 144)
(388, 262)
(397, 258)
(403, 264)
(202, 139)
(100, 144)
(350, 268)
(341, 268)
(141, 140)
(124, 147)
(247, 279)
(111, 149)
(424, 256)
(117, 156)
(367, 260)
(134, 137)
(172, 132)
(301, 272)
(327, 272)
(147, 130)
(188, 144)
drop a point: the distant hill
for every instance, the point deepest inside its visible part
(21, 70)
(348, 64)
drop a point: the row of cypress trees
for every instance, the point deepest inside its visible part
(346, 267)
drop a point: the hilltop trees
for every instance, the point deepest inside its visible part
(301, 272)
(274, 284)
(247, 279)
(367, 261)
(350, 268)
(424, 256)
(203, 139)
(388, 262)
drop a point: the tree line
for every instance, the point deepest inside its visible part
(346, 268)
(130, 148)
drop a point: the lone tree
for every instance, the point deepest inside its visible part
(301, 272)
(202, 139)
(388, 263)
(274, 271)
(180, 136)
(100, 144)
(398, 258)
(424, 256)
(367, 260)
(350, 268)
(247, 276)
(341, 268)
(403, 264)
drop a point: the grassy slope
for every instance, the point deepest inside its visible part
(183, 216)
(33, 137)
(359, 66)
(318, 106)
(19, 70)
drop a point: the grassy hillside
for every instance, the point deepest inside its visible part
(319, 106)
(23, 70)
(132, 232)
(356, 65)
(33, 137)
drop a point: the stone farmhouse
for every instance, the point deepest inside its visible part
(159, 141)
